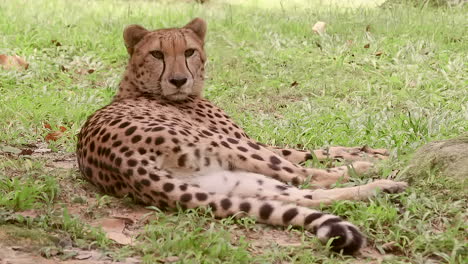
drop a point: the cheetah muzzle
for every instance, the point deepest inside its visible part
(160, 142)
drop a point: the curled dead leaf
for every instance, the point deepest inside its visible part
(114, 228)
(13, 62)
(53, 136)
(367, 46)
(378, 53)
(56, 43)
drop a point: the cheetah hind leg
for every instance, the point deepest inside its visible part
(161, 189)
(246, 184)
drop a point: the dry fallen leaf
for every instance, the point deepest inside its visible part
(319, 27)
(294, 84)
(378, 53)
(28, 213)
(26, 152)
(13, 62)
(114, 230)
(170, 259)
(367, 46)
(53, 136)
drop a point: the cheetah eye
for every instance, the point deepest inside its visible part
(189, 52)
(157, 54)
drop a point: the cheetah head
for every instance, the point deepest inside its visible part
(166, 63)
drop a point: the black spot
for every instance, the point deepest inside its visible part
(265, 211)
(129, 153)
(176, 149)
(182, 159)
(145, 182)
(142, 151)
(253, 145)
(232, 141)
(183, 187)
(308, 156)
(256, 156)
(105, 137)
(163, 204)
(312, 217)
(245, 207)
(274, 167)
(123, 149)
(242, 149)
(242, 157)
(118, 161)
(281, 187)
(213, 206)
(275, 160)
(132, 162)
(136, 138)
(141, 171)
(308, 196)
(295, 181)
(288, 169)
(116, 143)
(89, 172)
(124, 125)
(113, 123)
(286, 152)
(158, 128)
(91, 146)
(154, 177)
(237, 135)
(201, 196)
(148, 140)
(186, 197)
(168, 187)
(226, 203)
(159, 141)
(225, 144)
(289, 215)
(130, 130)
(208, 133)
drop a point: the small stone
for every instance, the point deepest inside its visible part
(319, 27)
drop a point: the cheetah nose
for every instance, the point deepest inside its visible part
(178, 81)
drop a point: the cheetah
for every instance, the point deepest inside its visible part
(161, 143)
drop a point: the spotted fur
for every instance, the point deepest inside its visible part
(162, 143)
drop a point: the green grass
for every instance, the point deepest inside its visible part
(413, 93)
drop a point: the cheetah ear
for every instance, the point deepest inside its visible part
(132, 35)
(198, 26)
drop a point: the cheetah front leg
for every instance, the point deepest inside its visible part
(339, 153)
(252, 157)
